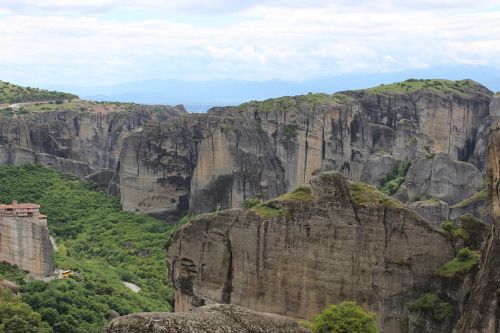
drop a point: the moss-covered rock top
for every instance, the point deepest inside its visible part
(463, 88)
(478, 197)
(277, 207)
(301, 102)
(11, 93)
(365, 195)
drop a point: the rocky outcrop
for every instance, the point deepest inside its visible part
(439, 176)
(207, 319)
(323, 243)
(72, 141)
(263, 149)
(200, 163)
(434, 211)
(482, 311)
(25, 242)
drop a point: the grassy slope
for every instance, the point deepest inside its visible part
(298, 102)
(11, 93)
(464, 88)
(99, 240)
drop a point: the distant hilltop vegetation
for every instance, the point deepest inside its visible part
(11, 93)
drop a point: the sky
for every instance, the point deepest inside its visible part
(99, 42)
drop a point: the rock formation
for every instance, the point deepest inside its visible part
(25, 242)
(201, 162)
(441, 177)
(482, 311)
(323, 243)
(207, 319)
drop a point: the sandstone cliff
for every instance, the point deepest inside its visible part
(329, 241)
(25, 242)
(182, 162)
(482, 312)
(72, 141)
(263, 149)
(208, 319)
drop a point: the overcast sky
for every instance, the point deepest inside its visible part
(89, 42)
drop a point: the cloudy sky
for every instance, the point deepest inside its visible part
(88, 42)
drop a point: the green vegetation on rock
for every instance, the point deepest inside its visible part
(11, 93)
(463, 263)
(394, 178)
(462, 88)
(431, 304)
(478, 197)
(274, 207)
(300, 102)
(250, 203)
(267, 211)
(100, 242)
(342, 318)
(301, 193)
(365, 195)
(453, 232)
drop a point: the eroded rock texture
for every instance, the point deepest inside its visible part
(208, 319)
(25, 242)
(293, 257)
(181, 162)
(482, 312)
(77, 142)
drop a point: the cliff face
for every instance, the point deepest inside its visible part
(182, 162)
(25, 242)
(294, 255)
(71, 141)
(482, 311)
(263, 149)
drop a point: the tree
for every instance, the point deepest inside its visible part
(346, 317)
(17, 317)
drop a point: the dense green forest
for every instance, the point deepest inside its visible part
(96, 239)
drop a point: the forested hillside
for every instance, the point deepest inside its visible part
(103, 244)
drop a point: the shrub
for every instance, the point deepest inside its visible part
(344, 317)
(463, 263)
(431, 304)
(394, 178)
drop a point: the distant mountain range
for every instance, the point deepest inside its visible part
(198, 96)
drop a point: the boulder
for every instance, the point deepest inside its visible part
(439, 176)
(208, 319)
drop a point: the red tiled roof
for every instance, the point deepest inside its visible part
(16, 205)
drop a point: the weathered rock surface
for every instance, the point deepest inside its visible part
(441, 177)
(293, 257)
(208, 319)
(183, 161)
(25, 242)
(434, 211)
(71, 141)
(482, 311)
(476, 205)
(263, 149)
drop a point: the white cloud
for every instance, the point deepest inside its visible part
(264, 40)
